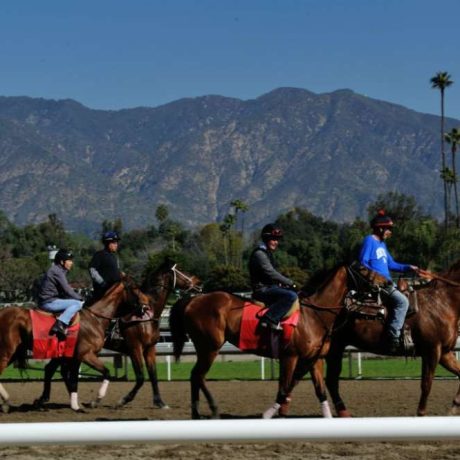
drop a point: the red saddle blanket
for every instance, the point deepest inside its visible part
(46, 346)
(256, 339)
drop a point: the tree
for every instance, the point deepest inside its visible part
(453, 138)
(441, 81)
(240, 206)
(161, 213)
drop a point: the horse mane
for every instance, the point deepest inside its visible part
(320, 278)
(152, 279)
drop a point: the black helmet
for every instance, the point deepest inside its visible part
(381, 220)
(271, 232)
(110, 236)
(63, 255)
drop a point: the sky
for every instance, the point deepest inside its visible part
(115, 54)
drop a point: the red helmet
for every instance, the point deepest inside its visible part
(381, 220)
(271, 232)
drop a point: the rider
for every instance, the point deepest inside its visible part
(270, 286)
(375, 256)
(104, 268)
(56, 295)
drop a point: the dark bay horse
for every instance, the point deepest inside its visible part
(211, 319)
(140, 337)
(16, 336)
(140, 334)
(433, 328)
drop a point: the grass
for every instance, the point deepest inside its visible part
(372, 367)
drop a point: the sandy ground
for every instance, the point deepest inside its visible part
(236, 400)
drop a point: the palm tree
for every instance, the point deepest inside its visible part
(453, 138)
(441, 81)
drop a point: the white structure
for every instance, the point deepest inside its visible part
(328, 430)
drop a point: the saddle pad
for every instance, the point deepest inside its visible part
(253, 338)
(46, 346)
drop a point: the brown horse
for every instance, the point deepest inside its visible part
(211, 319)
(16, 336)
(139, 334)
(433, 328)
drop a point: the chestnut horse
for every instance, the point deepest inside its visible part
(16, 336)
(140, 335)
(211, 319)
(433, 328)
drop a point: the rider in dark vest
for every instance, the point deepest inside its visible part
(104, 268)
(375, 256)
(268, 284)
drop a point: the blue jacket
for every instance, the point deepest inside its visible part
(375, 256)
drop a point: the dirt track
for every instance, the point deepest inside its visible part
(364, 398)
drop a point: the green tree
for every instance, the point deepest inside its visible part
(453, 138)
(161, 213)
(441, 81)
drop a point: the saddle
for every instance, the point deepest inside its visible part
(365, 302)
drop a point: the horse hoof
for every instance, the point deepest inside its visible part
(94, 404)
(161, 406)
(39, 403)
(5, 408)
(344, 414)
(80, 411)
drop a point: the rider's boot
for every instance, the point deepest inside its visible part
(59, 330)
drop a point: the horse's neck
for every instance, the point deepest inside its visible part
(108, 306)
(162, 294)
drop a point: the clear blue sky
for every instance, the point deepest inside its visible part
(112, 54)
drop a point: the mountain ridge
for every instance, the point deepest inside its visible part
(332, 153)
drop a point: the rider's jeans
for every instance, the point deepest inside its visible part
(68, 307)
(279, 301)
(398, 305)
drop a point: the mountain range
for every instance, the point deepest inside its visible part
(332, 154)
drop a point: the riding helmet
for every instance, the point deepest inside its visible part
(381, 220)
(62, 255)
(110, 236)
(271, 232)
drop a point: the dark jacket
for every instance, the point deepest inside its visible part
(55, 286)
(104, 270)
(262, 270)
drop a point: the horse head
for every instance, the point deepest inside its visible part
(168, 277)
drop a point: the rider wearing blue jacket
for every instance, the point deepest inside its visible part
(375, 256)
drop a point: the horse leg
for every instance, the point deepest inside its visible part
(287, 366)
(138, 367)
(198, 382)
(449, 362)
(4, 400)
(95, 363)
(150, 362)
(334, 369)
(4, 396)
(316, 369)
(70, 369)
(429, 363)
(50, 370)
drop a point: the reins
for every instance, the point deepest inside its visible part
(433, 276)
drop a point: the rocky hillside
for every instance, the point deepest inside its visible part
(330, 153)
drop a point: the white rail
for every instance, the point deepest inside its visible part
(329, 430)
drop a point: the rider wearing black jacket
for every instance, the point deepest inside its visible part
(269, 285)
(104, 268)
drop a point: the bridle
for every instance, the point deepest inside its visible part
(178, 274)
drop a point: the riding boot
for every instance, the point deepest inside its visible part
(59, 330)
(266, 321)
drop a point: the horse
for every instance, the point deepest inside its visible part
(139, 334)
(433, 328)
(16, 337)
(213, 318)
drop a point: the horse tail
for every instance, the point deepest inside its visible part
(177, 327)
(20, 357)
